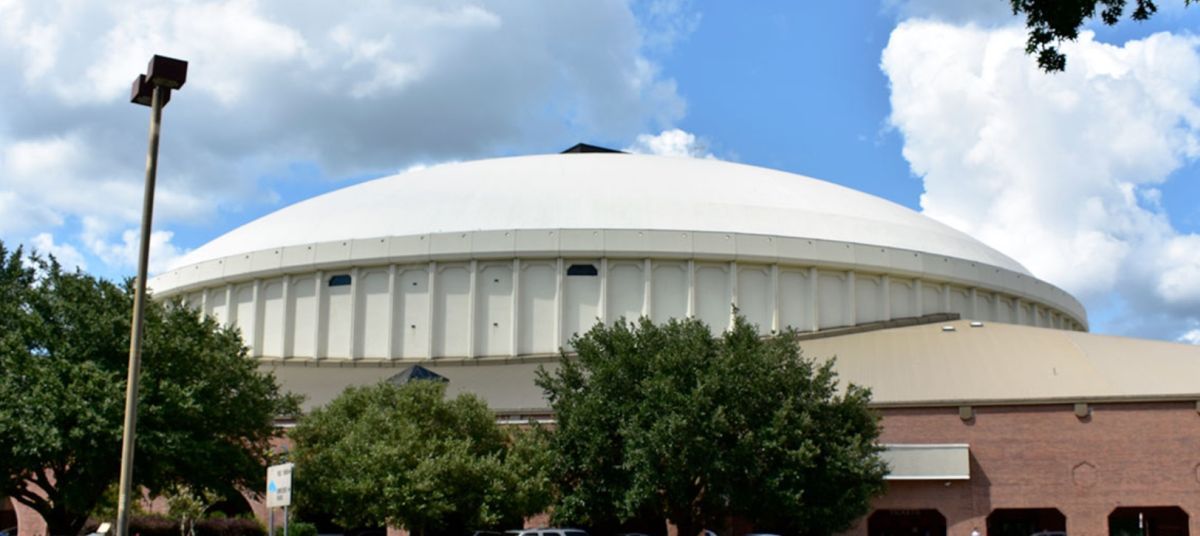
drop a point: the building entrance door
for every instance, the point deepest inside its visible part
(1026, 521)
(1148, 521)
(906, 523)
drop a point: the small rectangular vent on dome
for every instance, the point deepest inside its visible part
(582, 270)
(339, 280)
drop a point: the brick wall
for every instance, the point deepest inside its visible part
(1123, 454)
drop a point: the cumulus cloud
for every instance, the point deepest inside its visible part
(65, 254)
(1191, 337)
(666, 22)
(46, 179)
(123, 252)
(1061, 172)
(673, 142)
(272, 83)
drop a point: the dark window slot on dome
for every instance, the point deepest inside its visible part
(582, 269)
(339, 280)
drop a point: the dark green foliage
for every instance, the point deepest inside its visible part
(1050, 22)
(229, 527)
(300, 528)
(406, 456)
(671, 422)
(164, 526)
(206, 413)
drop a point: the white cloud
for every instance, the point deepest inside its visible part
(124, 253)
(65, 254)
(667, 22)
(1062, 171)
(1191, 337)
(45, 180)
(421, 166)
(673, 142)
(272, 83)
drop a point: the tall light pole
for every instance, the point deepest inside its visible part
(152, 89)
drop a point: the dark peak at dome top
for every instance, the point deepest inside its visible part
(588, 148)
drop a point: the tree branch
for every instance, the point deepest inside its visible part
(32, 500)
(42, 481)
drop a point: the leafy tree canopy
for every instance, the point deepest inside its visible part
(1050, 22)
(206, 414)
(671, 420)
(406, 456)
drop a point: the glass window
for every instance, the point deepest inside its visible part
(582, 270)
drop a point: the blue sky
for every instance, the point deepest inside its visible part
(1088, 177)
(796, 87)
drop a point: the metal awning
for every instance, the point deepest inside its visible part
(928, 461)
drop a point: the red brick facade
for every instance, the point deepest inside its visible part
(1038, 456)
(1044, 456)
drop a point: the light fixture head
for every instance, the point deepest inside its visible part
(143, 92)
(167, 72)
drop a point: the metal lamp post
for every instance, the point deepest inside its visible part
(152, 89)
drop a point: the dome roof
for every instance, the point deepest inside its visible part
(601, 191)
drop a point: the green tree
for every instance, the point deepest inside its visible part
(406, 456)
(670, 420)
(1050, 22)
(188, 506)
(206, 413)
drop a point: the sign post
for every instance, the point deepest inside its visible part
(279, 493)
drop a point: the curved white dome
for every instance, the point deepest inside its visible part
(601, 191)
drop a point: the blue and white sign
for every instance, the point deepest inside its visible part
(279, 485)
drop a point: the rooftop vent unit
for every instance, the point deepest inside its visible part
(586, 148)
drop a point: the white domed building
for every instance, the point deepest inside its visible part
(481, 271)
(507, 258)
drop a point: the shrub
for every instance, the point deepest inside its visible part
(230, 527)
(300, 528)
